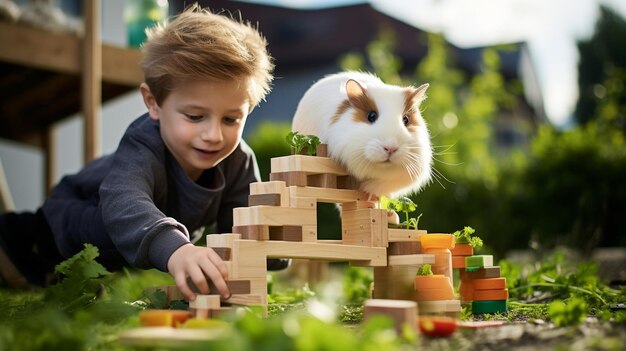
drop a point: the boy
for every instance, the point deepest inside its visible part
(177, 168)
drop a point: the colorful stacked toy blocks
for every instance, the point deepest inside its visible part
(482, 285)
(434, 293)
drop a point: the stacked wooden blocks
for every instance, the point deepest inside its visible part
(482, 285)
(435, 293)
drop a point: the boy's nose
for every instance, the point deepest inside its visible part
(212, 133)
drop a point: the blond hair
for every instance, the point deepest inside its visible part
(200, 45)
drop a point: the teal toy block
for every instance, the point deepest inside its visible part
(479, 261)
(488, 307)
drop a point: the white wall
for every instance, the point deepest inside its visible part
(23, 165)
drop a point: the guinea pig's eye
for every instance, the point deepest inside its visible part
(372, 116)
(405, 120)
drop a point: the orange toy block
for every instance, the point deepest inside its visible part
(489, 284)
(434, 294)
(466, 291)
(437, 241)
(436, 281)
(458, 262)
(163, 318)
(462, 250)
(490, 295)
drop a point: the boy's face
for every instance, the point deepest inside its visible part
(201, 122)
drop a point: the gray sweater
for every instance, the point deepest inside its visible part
(138, 206)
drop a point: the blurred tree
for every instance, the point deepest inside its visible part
(602, 72)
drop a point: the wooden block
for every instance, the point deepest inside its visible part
(490, 295)
(290, 178)
(286, 233)
(200, 307)
(462, 250)
(222, 240)
(400, 311)
(489, 284)
(234, 286)
(246, 300)
(223, 252)
(364, 227)
(480, 307)
(397, 235)
(434, 294)
(253, 232)
(479, 261)
(404, 248)
(323, 180)
(435, 281)
(309, 233)
(480, 273)
(347, 182)
(321, 150)
(307, 164)
(410, 260)
(264, 199)
(220, 312)
(274, 216)
(303, 202)
(357, 205)
(272, 187)
(327, 195)
(458, 262)
(437, 307)
(466, 290)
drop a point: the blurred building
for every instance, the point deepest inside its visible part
(307, 44)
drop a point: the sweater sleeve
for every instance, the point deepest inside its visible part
(129, 194)
(238, 174)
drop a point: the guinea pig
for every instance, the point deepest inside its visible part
(374, 130)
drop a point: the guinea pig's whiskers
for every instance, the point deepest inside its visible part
(437, 175)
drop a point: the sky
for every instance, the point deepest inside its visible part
(549, 27)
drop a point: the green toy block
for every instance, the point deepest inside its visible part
(480, 307)
(479, 261)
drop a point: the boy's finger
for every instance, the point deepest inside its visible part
(199, 279)
(218, 280)
(181, 282)
(218, 263)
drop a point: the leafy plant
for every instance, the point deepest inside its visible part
(572, 313)
(425, 269)
(300, 142)
(406, 206)
(466, 236)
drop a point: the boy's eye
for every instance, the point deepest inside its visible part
(231, 120)
(194, 117)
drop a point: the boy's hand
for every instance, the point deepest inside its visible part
(198, 264)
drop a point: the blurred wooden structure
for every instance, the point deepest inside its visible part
(46, 77)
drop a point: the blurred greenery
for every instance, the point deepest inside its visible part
(548, 187)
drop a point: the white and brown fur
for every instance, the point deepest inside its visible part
(388, 157)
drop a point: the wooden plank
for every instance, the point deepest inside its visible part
(404, 248)
(396, 235)
(409, 260)
(328, 195)
(347, 182)
(274, 216)
(235, 287)
(307, 164)
(222, 240)
(91, 81)
(401, 312)
(376, 256)
(59, 52)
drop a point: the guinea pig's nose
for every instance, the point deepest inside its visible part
(390, 149)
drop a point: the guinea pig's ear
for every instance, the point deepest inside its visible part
(355, 91)
(417, 95)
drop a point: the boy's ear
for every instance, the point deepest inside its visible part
(150, 101)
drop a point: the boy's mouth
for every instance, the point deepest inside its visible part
(206, 152)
